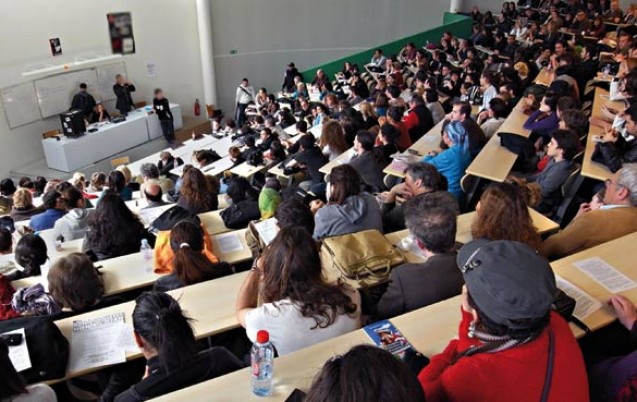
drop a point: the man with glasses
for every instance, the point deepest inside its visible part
(616, 218)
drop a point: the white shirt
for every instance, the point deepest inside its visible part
(244, 95)
(290, 331)
(489, 94)
(35, 393)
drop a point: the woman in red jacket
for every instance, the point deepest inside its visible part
(507, 332)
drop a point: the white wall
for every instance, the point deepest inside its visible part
(165, 33)
(270, 33)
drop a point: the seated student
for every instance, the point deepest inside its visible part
(30, 254)
(312, 158)
(6, 241)
(55, 209)
(617, 218)
(418, 120)
(13, 388)
(502, 214)
(77, 286)
(497, 112)
(244, 204)
(365, 373)
(461, 112)
(99, 114)
(434, 106)
(561, 149)
(164, 335)
(149, 172)
(72, 225)
(7, 189)
(190, 264)
(198, 193)
(23, 208)
(420, 178)
(236, 156)
(395, 118)
(612, 376)
(154, 196)
(97, 183)
(118, 184)
(203, 157)
(348, 210)
(270, 197)
(507, 328)
(113, 230)
(332, 139)
(299, 308)
(543, 121)
(453, 161)
(614, 148)
(168, 162)
(387, 136)
(412, 286)
(295, 213)
(366, 162)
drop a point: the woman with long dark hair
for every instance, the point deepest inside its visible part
(30, 253)
(502, 214)
(198, 193)
(13, 388)
(164, 336)
(192, 263)
(116, 183)
(348, 210)
(113, 230)
(299, 307)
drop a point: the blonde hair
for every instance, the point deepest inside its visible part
(521, 68)
(22, 199)
(367, 110)
(78, 180)
(126, 172)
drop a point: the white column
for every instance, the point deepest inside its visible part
(456, 6)
(206, 52)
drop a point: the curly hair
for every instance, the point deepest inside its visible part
(504, 215)
(293, 271)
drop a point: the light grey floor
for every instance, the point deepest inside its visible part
(39, 167)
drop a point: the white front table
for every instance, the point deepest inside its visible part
(70, 154)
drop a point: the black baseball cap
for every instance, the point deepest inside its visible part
(290, 64)
(508, 281)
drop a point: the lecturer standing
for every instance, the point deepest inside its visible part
(122, 89)
(83, 101)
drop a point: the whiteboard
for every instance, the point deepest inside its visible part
(56, 93)
(106, 79)
(20, 104)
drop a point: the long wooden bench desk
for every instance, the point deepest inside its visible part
(590, 169)
(494, 162)
(425, 144)
(428, 329)
(345, 157)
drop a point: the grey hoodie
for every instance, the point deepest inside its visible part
(359, 212)
(73, 225)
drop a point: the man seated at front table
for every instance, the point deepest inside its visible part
(616, 218)
(431, 220)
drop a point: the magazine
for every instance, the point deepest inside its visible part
(387, 337)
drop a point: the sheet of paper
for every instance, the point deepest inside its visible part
(229, 242)
(19, 354)
(126, 339)
(605, 274)
(149, 215)
(585, 304)
(267, 230)
(96, 342)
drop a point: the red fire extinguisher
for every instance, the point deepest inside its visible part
(197, 107)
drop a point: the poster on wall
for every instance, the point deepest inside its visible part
(56, 46)
(120, 27)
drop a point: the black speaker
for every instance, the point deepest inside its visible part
(73, 124)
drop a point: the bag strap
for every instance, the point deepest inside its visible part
(549, 368)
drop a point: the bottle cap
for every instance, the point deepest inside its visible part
(263, 336)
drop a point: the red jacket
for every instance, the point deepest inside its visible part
(404, 140)
(512, 375)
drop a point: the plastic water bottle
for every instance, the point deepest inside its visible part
(147, 254)
(262, 361)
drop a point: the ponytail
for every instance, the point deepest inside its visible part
(191, 266)
(159, 320)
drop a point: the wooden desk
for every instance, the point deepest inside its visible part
(212, 315)
(595, 170)
(246, 170)
(425, 144)
(339, 160)
(233, 257)
(544, 77)
(494, 162)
